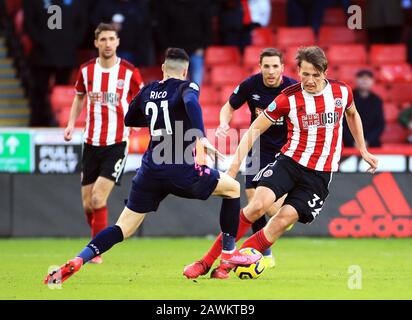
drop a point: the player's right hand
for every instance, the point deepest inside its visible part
(68, 133)
(371, 160)
(222, 130)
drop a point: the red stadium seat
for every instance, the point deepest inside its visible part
(210, 115)
(347, 53)
(251, 56)
(401, 92)
(336, 35)
(208, 95)
(291, 71)
(334, 17)
(386, 54)
(289, 55)
(263, 37)
(382, 91)
(150, 74)
(222, 55)
(241, 118)
(228, 74)
(63, 116)
(395, 73)
(391, 112)
(394, 133)
(225, 93)
(347, 72)
(62, 97)
(300, 36)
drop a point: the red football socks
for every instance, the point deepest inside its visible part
(99, 220)
(257, 241)
(89, 217)
(216, 249)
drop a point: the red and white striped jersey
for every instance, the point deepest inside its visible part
(314, 123)
(109, 92)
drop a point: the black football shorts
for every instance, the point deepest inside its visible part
(307, 189)
(107, 161)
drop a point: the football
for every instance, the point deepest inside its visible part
(254, 270)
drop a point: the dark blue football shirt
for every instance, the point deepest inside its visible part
(258, 97)
(170, 109)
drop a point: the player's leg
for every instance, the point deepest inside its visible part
(87, 203)
(276, 226)
(229, 189)
(126, 225)
(111, 162)
(303, 203)
(89, 175)
(259, 204)
(100, 193)
(260, 224)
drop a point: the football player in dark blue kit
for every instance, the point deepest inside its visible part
(171, 110)
(258, 91)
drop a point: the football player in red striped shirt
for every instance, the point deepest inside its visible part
(108, 83)
(314, 110)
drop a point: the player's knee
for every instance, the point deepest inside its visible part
(256, 209)
(234, 191)
(97, 200)
(282, 220)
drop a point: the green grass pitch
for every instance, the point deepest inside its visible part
(307, 268)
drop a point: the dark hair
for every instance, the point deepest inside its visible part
(313, 55)
(104, 27)
(176, 54)
(364, 72)
(271, 52)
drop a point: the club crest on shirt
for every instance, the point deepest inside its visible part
(267, 173)
(120, 84)
(338, 103)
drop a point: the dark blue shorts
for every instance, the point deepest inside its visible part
(259, 160)
(148, 191)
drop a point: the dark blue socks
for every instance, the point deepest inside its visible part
(103, 241)
(229, 222)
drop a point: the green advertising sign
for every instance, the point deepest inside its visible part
(15, 152)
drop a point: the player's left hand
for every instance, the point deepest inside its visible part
(211, 151)
(371, 160)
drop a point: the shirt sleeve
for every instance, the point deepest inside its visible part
(278, 108)
(239, 95)
(136, 83)
(79, 86)
(350, 98)
(134, 116)
(190, 96)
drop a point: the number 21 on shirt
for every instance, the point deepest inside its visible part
(153, 110)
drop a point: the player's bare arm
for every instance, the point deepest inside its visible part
(226, 114)
(259, 126)
(77, 107)
(355, 126)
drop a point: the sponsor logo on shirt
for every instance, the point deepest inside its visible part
(324, 119)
